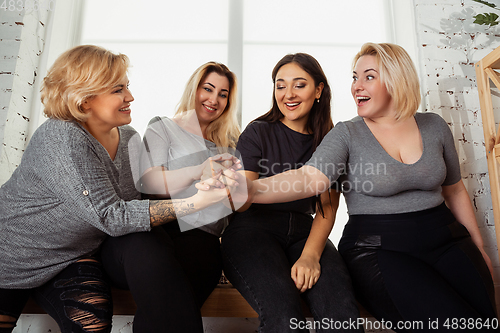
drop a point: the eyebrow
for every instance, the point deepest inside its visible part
(295, 79)
(366, 71)
(120, 85)
(214, 86)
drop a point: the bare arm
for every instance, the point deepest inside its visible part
(458, 201)
(164, 211)
(290, 186)
(307, 270)
(165, 183)
(250, 175)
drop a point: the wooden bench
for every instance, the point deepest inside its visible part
(225, 301)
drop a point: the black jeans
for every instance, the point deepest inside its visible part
(78, 298)
(259, 249)
(419, 267)
(170, 274)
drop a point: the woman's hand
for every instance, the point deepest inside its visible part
(238, 188)
(214, 166)
(306, 272)
(213, 195)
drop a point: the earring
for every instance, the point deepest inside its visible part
(317, 101)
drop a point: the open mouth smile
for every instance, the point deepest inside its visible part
(209, 108)
(292, 106)
(361, 100)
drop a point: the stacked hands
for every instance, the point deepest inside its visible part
(220, 181)
(220, 178)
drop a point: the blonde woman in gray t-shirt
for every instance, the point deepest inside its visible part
(412, 244)
(176, 153)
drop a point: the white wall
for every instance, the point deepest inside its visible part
(449, 44)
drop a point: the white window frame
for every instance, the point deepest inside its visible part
(66, 24)
(65, 32)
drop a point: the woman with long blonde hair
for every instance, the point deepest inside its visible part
(74, 188)
(180, 151)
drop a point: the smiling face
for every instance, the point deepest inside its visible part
(110, 109)
(370, 93)
(295, 92)
(211, 97)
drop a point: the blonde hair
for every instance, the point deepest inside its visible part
(399, 75)
(77, 75)
(224, 131)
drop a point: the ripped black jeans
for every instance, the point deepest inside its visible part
(78, 298)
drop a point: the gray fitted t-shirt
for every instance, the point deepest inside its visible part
(61, 202)
(172, 147)
(375, 183)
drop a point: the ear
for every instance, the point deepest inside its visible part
(85, 105)
(319, 89)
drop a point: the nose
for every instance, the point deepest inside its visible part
(357, 85)
(289, 93)
(212, 98)
(128, 96)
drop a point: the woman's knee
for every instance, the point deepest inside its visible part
(88, 321)
(79, 298)
(83, 309)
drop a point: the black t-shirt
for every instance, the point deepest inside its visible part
(272, 148)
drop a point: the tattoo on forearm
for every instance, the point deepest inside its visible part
(164, 211)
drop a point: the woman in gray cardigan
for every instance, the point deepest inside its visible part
(74, 187)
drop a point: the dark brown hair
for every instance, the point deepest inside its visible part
(320, 118)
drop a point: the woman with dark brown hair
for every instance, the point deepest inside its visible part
(278, 254)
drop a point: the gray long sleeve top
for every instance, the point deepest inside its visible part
(61, 202)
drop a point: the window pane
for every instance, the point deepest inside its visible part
(155, 20)
(314, 21)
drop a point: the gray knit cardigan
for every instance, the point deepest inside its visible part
(61, 202)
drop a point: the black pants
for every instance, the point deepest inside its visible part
(420, 267)
(170, 275)
(78, 298)
(259, 249)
